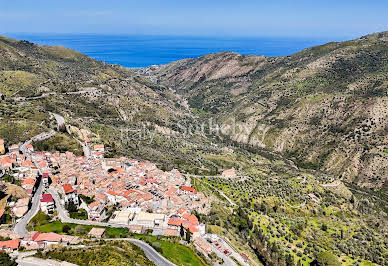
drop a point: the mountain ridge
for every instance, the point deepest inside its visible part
(345, 80)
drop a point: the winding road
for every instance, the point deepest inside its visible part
(21, 224)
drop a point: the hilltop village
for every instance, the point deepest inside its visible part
(113, 192)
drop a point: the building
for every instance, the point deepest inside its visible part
(96, 232)
(45, 180)
(99, 148)
(122, 217)
(47, 204)
(6, 163)
(150, 220)
(111, 163)
(47, 239)
(14, 149)
(70, 194)
(10, 245)
(137, 229)
(188, 190)
(96, 211)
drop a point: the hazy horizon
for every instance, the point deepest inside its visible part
(285, 18)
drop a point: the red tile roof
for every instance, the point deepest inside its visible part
(51, 237)
(46, 198)
(68, 188)
(112, 193)
(190, 189)
(175, 221)
(10, 244)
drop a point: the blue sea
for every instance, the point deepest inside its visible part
(142, 51)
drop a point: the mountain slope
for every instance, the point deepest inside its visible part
(325, 107)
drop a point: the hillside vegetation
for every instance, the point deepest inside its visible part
(326, 107)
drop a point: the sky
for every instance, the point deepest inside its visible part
(298, 18)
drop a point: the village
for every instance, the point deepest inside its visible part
(113, 192)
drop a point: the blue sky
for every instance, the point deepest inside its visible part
(340, 18)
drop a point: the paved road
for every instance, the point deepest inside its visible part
(20, 227)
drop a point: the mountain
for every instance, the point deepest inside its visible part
(326, 107)
(290, 126)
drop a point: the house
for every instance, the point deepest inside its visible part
(47, 204)
(14, 149)
(188, 190)
(99, 148)
(150, 220)
(111, 163)
(45, 180)
(47, 239)
(6, 163)
(137, 229)
(28, 243)
(96, 211)
(2, 146)
(96, 232)
(174, 222)
(114, 197)
(10, 245)
(122, 217)
(29, 148)
(70, 194)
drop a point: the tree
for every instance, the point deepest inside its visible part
(188, 235)
(324, 227)
(182, 232)
(66, 228)
(6, 260)
(71, 207)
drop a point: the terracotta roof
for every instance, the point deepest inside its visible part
(93, 204)
(175, 221)
(46, 198)
(6, 160)
(190, 189)
(11, 244)
(51, 237)
(113, 193)
(191, 218)
(27, 163)
(68, 188)
(1, 212)
(182, 210)
(28, 181)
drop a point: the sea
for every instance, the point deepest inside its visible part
(142, 50)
